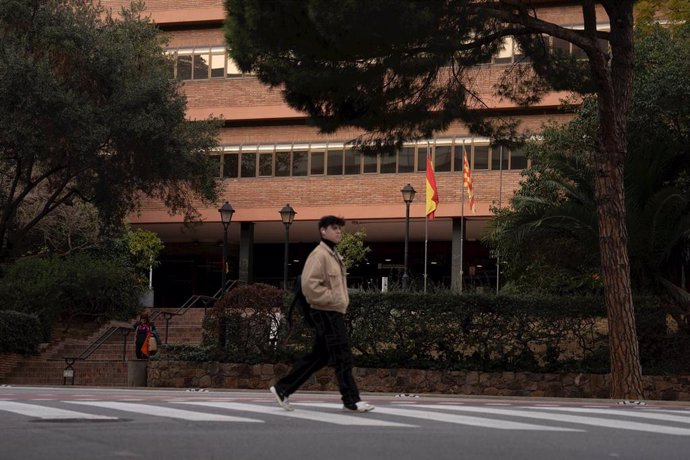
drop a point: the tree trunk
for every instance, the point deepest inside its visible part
(626, 373)
(615, 93)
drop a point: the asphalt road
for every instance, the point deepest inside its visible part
(105, 423)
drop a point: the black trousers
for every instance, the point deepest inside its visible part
(137, 346)
(331, 348)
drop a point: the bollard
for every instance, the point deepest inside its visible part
(137, 372)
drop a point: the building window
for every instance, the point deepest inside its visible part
(510, 52)
(518, 159)
(564, 46)
(300, 160)
(203, 63)
(370, 163)
(282, 164)
(232, 70)
(335, 162)
(406, 160)
(230, 165)
(442, 158)
(353, 161)
(183, 65)
(265, 164)
(317, 163)
(421, 158)
(457, 156)
(218, 65)
(388, 160)
(499, 159)
(201, 68)
(480, 157)
(248, 164)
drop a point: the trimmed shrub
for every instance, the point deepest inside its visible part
(444, 330)
(80, 286)
(19, 332)
(251, 317)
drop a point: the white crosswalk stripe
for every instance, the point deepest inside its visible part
(159, 411)
(633, 413)
(48, 413)
(592, 421)
(338, 419)
(547, 419)
(448, 418)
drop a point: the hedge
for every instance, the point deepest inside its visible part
(19, 332)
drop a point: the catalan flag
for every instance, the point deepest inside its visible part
(431, 190)
(467, 180)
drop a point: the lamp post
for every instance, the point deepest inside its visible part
(408, 195)
(226, 213)
(287, 215)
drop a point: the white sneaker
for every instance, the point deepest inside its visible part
(359, 406)
(282, 401)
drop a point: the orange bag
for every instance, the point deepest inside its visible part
(145, 346)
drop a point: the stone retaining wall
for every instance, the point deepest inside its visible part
(8, 362)
(182, 374)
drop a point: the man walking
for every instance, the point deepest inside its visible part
(324, 284)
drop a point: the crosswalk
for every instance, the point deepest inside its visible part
(566, 419)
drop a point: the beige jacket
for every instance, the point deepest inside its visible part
(324, 280)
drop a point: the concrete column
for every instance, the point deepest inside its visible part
(456, 255)
(246, 263)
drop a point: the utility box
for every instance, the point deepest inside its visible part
(137, 372)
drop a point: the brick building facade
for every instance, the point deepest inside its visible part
(271, 156)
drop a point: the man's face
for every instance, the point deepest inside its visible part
(332, 233)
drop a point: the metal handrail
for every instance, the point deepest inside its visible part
(68, 372)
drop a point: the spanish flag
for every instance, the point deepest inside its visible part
(467, 180)
(431, 190)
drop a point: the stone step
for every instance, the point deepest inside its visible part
(105, 365)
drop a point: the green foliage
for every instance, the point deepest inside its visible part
(144, 246)
(450, 331)
(251, 316)
(90, 114)
(445, 330)
(80, 286)
(648, 12)
(397, 68)
(19, 332)
(549, 236)
(352, 248)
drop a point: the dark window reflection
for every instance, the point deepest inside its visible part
(230, 165)
(282, 164)
(248, 165)
(299, 163)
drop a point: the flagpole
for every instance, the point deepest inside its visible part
(426, 240)
(500, 196)
(426, 230)
(462, 217)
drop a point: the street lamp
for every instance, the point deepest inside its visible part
(226, 213)
(408, 195)
(287, 215)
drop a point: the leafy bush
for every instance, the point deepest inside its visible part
(252, 319)
(444, 330)
(19, 332)
(78, 286)
(450, 331)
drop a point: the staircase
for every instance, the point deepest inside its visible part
(107, 364)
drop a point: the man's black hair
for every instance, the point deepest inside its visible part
(327, 221)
